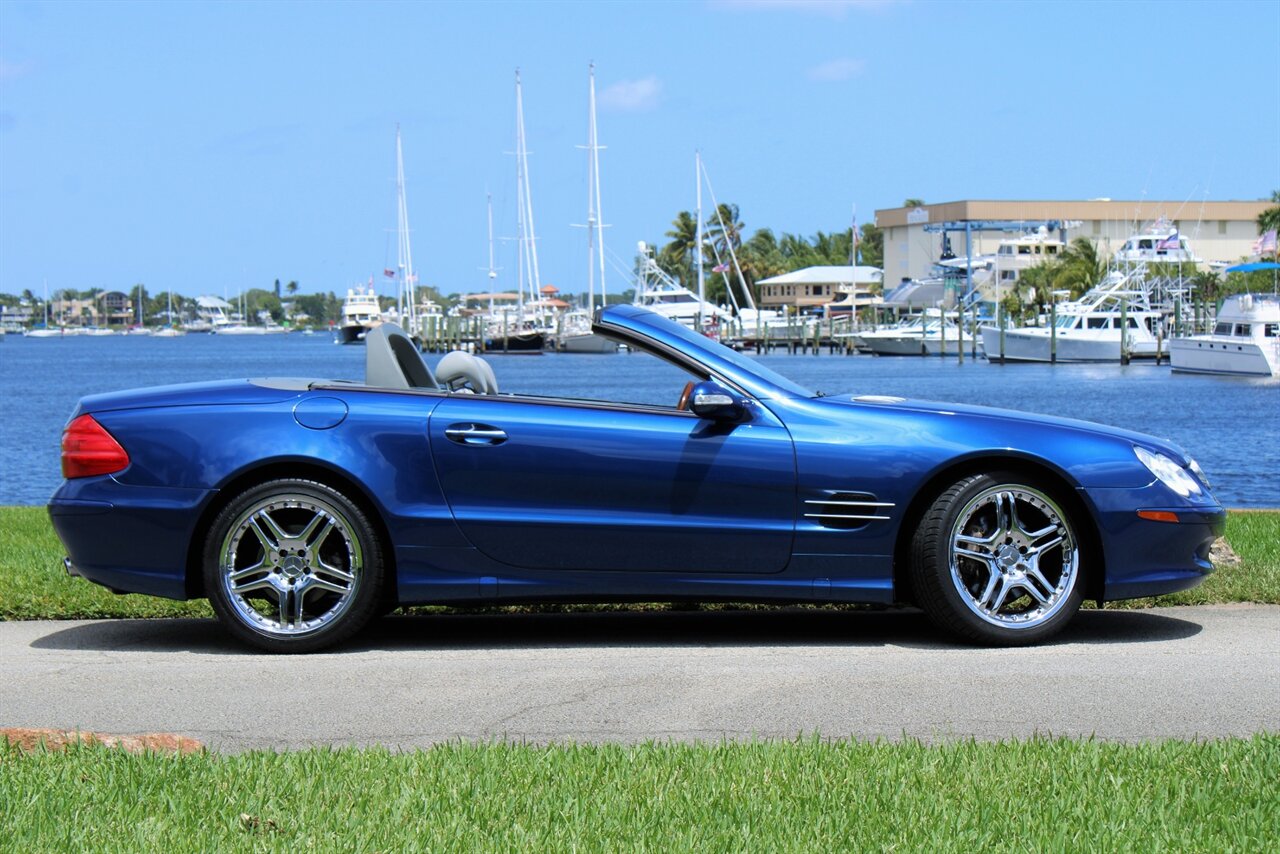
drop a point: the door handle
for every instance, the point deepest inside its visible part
(474, 434)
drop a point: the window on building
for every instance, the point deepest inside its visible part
(1051, 249)
(1097, 226)
(1222, 226)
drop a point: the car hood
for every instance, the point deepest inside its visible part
(899, 404)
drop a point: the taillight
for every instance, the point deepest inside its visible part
(88, 449)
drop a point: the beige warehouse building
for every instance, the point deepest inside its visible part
(1215, 231)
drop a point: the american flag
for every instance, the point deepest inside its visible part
(1265, 243)
(720, 268)
(388, 272)
(1170, 242)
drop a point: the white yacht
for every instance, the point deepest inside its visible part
(931, 333)
(360, 313)
(1015, 255)
(1245, 340)
(661, 294)
(1091, 329)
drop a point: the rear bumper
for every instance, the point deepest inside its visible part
(1145, 557)
(129, 539)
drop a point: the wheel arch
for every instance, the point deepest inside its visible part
(298, 469)
(1065, 488)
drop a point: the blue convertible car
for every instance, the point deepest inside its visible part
(304, 508)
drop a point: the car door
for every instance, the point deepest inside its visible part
(551, 484)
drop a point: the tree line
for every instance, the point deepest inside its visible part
(761, 256)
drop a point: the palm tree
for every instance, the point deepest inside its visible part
(913, 203)
(292, 287)
(1270, 218)
(1079, 267)
(677, 257)
(724, 229)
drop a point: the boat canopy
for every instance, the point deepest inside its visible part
(1257, 265)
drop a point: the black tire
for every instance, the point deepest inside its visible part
(993, 576)
(293, 566)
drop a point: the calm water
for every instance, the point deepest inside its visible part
(1232, 426)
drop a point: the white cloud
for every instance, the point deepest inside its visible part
(837, 69)
(827, 8)
(632, 95)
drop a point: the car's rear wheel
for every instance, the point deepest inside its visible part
(996, 559)
(293, 566)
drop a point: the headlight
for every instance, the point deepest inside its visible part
(1168, 472)
(1199, 472)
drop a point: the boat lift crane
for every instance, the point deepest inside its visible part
(968, 226)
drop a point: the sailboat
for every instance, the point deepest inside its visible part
(576, 336)
(521, 333)
(169, 330)
(46, 332)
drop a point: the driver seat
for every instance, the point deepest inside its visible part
(392, 360)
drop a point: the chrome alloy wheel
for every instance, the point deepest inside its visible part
(1013, 557)
(290, 564)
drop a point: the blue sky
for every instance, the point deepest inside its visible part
(211, 147)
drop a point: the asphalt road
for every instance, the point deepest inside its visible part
(1124, 675)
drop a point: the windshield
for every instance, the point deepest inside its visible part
(712, 353)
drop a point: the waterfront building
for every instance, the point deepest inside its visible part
(1220, 231)
(814, 287)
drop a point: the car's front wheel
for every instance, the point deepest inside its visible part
(996, 559)
(293, 566)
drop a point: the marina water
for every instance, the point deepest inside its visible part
(1231, 425)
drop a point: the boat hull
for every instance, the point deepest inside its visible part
(1221, 355)
(1037, 345)
(587, 343)
(515, 343)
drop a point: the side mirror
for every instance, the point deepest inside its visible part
(715, 402)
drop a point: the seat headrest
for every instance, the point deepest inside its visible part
(392, 360)
(458, 369)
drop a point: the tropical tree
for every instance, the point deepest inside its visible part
(291, 288)
(1079, 267)
(724, 229)
(871, 245)
(1270, 218)
(676, 258)
(913, 203)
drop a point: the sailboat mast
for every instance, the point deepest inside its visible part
(493, 274)
(697, 244)
(405, 251)
(591, 190)
(528, 234)
(595, 181)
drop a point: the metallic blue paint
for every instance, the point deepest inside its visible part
(580, 501)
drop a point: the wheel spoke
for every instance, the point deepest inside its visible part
(1001, 595)
(268, 543)
(976, 555)
(298, 594)
(259, 584)
(1036, 575)
(277, 533)
(976, 541)
(236, 575)
(1036, 551)
(320, 567)
(283, 602)
(305, 536)
(1028, 586)
(1048, 529)
(994, 580)
(322, 584)
(1003, 513)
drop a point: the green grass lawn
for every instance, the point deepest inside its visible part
(36, 587)
(808, 795)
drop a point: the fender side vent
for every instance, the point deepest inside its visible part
(847, 511)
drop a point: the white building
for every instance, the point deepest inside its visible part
(816, 286)
(1215, 231)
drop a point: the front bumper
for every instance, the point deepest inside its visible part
(1146, 557)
